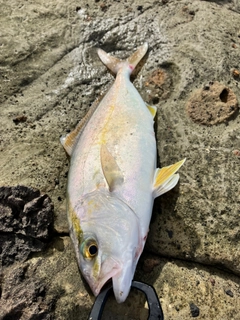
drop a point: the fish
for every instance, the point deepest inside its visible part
(113, 180)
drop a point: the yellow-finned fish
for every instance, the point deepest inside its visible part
(113, 180)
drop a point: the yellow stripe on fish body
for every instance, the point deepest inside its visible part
(74, 220)
(105, 130)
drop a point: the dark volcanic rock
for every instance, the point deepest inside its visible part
(26, 220)
(194, 310)
(23, 295)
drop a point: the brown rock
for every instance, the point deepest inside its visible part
(212, 104)
(159, 84)
(150, 264)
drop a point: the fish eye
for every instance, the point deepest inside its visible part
(89, 248)
(93, 249)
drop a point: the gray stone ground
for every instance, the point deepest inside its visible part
(50, 74)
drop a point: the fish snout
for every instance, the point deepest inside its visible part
(122, 282)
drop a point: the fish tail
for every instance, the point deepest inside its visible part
(115, 64)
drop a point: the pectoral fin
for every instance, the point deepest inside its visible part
(111, 170)
(165, 178)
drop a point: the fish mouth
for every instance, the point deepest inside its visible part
(96, 287)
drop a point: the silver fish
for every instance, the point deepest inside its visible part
(113, 180)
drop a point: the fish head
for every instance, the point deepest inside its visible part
(107, 247)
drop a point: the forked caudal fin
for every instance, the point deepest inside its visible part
(114, 64)
(165, 178)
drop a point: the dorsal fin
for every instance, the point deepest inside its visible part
(165, 178)
(69, 140)
(115, 64)
(111, 170)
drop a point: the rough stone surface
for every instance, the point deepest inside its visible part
(159, 84)
(47, 286)
(26, 223)
(50, 74)
(213, 104)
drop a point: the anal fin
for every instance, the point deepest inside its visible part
(166, 178)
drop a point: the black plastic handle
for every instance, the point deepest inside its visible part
(155, 310)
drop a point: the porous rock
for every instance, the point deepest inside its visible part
(213, 104)
(26, 223)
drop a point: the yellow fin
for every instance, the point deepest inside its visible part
(165, 178)
(153, 110)
(69, 140)
(111, 170)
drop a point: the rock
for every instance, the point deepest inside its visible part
(180, 284)
(236, 153)
(150, 264)
(160, 84)
(213, 104)
(44, 287)
(26, 220)
(23, 295)
(194, 310)
(229, 293)
(50, 76)
(20, 118)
